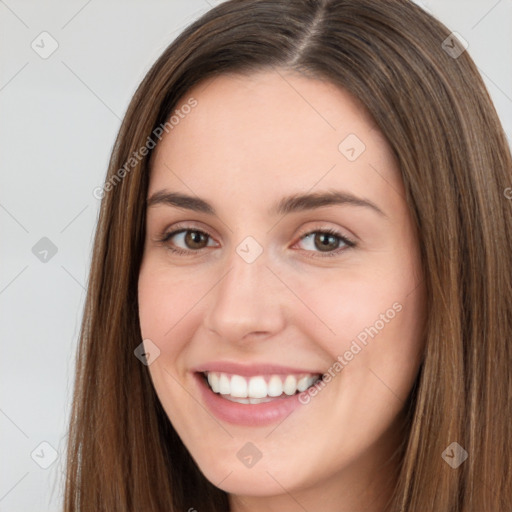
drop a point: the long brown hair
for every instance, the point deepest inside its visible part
(432, 106)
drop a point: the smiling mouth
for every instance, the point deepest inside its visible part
(259, 388)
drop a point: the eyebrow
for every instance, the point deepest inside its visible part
(289, 204)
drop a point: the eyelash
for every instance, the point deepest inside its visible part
(328, 231)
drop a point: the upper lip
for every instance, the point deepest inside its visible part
(249, 370)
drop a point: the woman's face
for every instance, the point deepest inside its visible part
(261, 301)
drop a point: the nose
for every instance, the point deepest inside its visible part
(248, 301)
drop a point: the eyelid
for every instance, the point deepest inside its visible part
(348, 242)
(329, 229)
(179, 228)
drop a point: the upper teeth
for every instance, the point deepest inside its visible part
(257, 386)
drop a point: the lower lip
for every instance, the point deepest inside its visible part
(262, 414)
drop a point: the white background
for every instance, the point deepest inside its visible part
(59, 118)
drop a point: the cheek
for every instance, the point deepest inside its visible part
(360, 307)
(375, 349)
(371, 327)
(168, 317)
(165, 299)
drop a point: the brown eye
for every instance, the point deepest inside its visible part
(193, 240)
(327, 241)
(187, 241)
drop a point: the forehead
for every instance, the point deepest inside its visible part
(260, 134)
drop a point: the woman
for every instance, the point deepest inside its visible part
(300, 294)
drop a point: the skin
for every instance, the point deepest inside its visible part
(250, 141)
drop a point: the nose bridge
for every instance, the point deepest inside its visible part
(245, 299)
